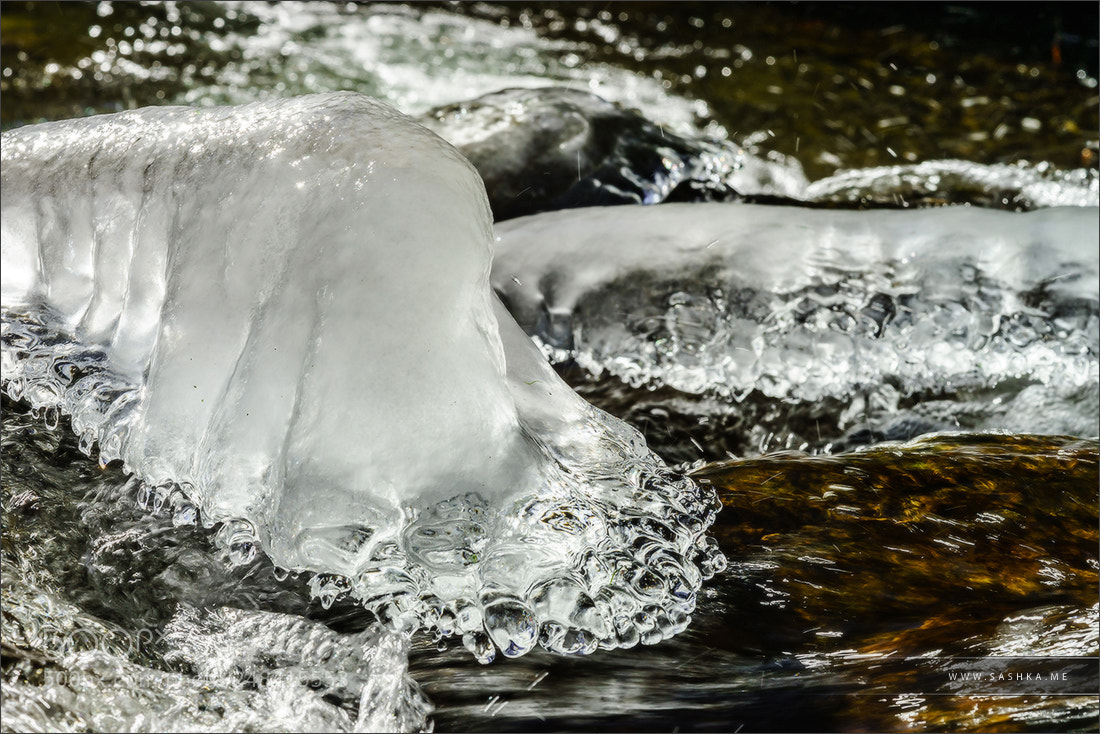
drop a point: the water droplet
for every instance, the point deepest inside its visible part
(185, 515)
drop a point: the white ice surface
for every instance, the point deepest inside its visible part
(803, 304)
(271, 270)
(780, 248)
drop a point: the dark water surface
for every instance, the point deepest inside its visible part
(858, 585)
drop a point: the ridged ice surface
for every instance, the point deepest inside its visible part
(806, 305)
(282, 310)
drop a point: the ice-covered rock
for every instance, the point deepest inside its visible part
(284, 309)
(804, 305)
(558, 148)
(1021, 186)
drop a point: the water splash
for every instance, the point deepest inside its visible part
(1021, 186)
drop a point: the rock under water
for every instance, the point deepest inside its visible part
(283, 311)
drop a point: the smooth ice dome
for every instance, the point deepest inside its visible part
(239, 314)
(284, 309)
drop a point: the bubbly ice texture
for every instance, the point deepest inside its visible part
(805, 305)
(283, 309)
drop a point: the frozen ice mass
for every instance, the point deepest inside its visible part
(281, 313)
(805, 305)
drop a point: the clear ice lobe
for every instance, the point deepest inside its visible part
(284, 310)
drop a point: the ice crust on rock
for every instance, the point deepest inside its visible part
(558, 148)
(283, 309)
(805, 305)
(1019, 186)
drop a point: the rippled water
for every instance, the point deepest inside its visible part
(121, 611)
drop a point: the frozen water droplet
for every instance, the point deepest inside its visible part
(512, 626)
(479, 644)
(241, 554)
(186, 514)
(468, 618)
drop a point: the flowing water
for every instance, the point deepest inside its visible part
(126, 606)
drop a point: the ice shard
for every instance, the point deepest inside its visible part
(284, 310)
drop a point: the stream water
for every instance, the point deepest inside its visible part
(865, 577)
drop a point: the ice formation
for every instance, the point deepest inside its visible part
(804, 305)
(1019, 186)
(283, 310)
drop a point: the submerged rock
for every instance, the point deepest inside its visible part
(900, 564)
(859, 585)
(892, 532)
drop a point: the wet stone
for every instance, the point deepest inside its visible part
(858, 585)
(555, 148)
(980, 519)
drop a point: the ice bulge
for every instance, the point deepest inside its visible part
(282, 311)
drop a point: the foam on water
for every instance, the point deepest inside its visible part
(282, 311)
(805, 305)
